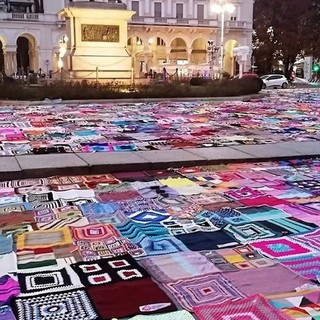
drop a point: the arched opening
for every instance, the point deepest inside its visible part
(38, 6)
(23, 59)
(178, 53)
(1, 58)
(199, 51)
(135, 47)
(157, 48)
(26, 53)
(229, 62)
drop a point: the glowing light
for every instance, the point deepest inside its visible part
(60, 63)
(229, 7)
(223, 7)
(62, 52)
(216, 8)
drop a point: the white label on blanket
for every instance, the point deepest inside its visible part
(153, 307)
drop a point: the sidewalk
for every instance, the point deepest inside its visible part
(30, 166)
(122, 101)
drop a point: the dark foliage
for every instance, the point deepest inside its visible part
(94, 90)
(283, 30)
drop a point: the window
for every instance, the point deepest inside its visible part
(160, 42)
(200, 12)
(179, 10)
(233, 18)
(274, 77)
(157, 10)
(138, 41)
(135, 7)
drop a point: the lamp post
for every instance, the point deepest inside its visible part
(213, 50)
(221, 7)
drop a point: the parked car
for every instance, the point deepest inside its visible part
(274, 81)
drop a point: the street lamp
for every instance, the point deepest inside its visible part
(221, 7)
(213, 51)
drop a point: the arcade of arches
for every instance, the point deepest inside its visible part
(21, 60)
(189, 59)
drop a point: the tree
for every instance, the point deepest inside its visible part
(283, 30)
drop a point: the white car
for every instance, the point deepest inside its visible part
(274, 81)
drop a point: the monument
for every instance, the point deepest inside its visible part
(95, 42)
(241, 55)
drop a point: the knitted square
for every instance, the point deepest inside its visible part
(58, 306)
(117, 269)
(44, 239)
(281, 247)
(252, 308)
(179, 265)
(202, 290)
(129, 298)
(48, 281)
(93, 232)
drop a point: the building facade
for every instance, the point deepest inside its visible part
(162, 33)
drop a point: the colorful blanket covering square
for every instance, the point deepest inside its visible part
(177, 266)
(202, 290)
(6, 313)
(44, 239)
(107, 248)
(58, 306)
(107, 271)
(219, 262)
(199, 241)
(251, 308)
(304, 305)
(62, 279)
(136, 231)
(93, 232)
(9, 288)
(307, 266)
(253, 281)
(150, 299)
(36, 258)
(248, 232)
(281, 247)
(245, 258)
(311, 239)
(162, 246)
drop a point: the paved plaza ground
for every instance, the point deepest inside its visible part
(161, 211)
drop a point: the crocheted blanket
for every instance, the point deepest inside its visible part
(55, 306)
(44, 239)
(107, 271)
(203, 290)
(255, 307)
(179, 265)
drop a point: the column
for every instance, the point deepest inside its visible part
(147, 58)
(189, 53)
(32, 60)
(168, 50)
(10, 62)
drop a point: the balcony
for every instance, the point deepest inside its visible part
(160, 20)
(48, 18)
(23, 2)
(238, 25)
(174, 21)
(24, 16)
